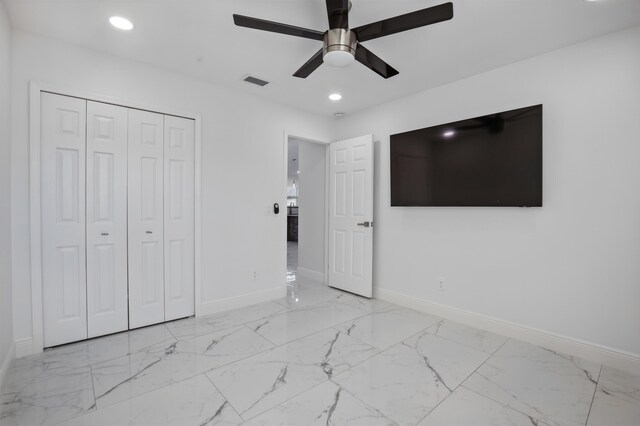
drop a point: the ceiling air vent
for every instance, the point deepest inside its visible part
(255, 80)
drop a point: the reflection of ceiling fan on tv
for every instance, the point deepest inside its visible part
(341, 45)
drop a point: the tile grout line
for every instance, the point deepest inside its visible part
(484, 362)
(364, 403)
(93, 386)
(465, 379)
(163, 387)
(275, 345)
(593, 398)
(187, 337)
(285, 401)
(223, 395)
(148, 392)
(501, 403)
(171, 332)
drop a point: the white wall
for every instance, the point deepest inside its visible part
(240, 132)
(6, 320)
(571, 267)
(311, 200)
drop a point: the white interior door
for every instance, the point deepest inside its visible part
(146, 240)
(351, 215)
(107, 310)
(63, 142)
(179, 218)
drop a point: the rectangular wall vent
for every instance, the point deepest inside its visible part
(255, 80)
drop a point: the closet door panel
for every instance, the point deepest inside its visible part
(63, 141)
(107, 310)
(146, 231)
(179, 217)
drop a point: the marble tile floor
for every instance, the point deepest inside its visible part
(315, 357)
(292, 255)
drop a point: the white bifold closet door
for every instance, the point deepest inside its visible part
(161, 218)
(107, 310)
(179, 219)
(63, 143)
(146, 226)
(117, 216)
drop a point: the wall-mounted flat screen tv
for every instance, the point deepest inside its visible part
(493, 160)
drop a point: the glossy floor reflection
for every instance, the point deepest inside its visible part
(315, 357)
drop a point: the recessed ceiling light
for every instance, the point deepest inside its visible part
(121, 23)
(448, 133)
(335, 96)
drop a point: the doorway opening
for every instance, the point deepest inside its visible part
(306, 209)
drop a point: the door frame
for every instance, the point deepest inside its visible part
(326, 143)
(35, 89)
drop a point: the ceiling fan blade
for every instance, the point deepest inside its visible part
(310, 66)
(338, 13)
(276, 27)
(371, 61)
(408, 21)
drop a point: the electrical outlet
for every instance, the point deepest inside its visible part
(255, 275)
(441, 284)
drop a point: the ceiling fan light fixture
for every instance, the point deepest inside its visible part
(339, 59)
(339, 48)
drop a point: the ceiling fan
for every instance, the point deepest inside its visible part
(341, 45)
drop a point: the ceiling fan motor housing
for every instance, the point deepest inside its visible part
(339, 40)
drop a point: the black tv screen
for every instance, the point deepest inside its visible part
(493, 160)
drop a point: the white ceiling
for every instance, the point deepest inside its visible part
(173, 34)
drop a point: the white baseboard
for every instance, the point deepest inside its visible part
(24, 347)
(215, 306)
(601, 354)
(311, 274)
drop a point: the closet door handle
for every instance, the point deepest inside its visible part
(104, 234)
(149, 232)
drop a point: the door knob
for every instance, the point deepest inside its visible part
(365, 224)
